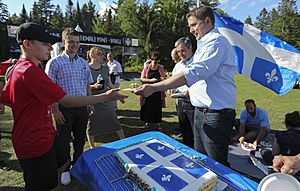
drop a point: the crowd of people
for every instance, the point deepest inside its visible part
(82, 97)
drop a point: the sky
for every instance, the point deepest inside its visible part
(239, 9)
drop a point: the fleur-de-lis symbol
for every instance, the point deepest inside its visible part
(139, 156)
(189, 165)
(271, 77)
(161, 148)
(165, 178)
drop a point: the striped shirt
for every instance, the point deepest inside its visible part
(72, 75)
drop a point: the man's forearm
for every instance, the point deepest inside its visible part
(80, 101)
(171, 83)
(242, 130)
(261, 134)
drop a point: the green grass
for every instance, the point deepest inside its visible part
(128, 113)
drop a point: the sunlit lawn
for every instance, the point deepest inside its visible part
(129, 117)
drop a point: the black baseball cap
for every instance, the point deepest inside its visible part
(33, 31)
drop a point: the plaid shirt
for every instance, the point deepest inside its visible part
(72, 75)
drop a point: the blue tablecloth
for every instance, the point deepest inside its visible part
(89, 174)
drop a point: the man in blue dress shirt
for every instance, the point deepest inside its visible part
(253, 124)
(210, 78)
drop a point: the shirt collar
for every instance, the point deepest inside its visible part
(71, 59)
(188, 62)
(206, 36)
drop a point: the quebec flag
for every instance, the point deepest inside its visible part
(260, 56)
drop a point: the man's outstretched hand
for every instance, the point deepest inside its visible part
(114, 95)
(145, 90)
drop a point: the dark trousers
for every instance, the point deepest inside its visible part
(40, 173)
(75, 126)
(212, 132)
(267, 156)
(185, 111)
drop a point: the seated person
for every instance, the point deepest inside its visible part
(253, 124)
(286, 142)
(287, 164)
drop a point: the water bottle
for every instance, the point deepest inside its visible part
(100, 80)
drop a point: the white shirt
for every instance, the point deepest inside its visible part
(115, 67)
(179, 67)
(211, 75)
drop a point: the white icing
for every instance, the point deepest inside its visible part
(194, 184)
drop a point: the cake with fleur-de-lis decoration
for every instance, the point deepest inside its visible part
(157, 166)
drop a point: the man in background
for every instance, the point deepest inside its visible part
(185, 110)
(72, 73)
(253, 124)
(115, 70)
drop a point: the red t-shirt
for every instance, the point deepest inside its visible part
(31, 93)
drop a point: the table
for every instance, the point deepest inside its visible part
(87, 170)
(239, 160)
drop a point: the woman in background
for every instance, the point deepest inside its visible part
(104, 118)
(151, 107)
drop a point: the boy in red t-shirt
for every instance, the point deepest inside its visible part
(30, 94)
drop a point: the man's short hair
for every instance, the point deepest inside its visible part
(184, 41)
(201, 13)
(68, 32)
(250, 101)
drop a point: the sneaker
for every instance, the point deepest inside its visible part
(4, 166)
(65, 178)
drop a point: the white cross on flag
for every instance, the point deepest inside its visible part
(260, 56)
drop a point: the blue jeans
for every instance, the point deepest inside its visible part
(185, 111)
(212, 132)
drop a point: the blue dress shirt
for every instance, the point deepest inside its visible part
(211, 75)
(259, 120)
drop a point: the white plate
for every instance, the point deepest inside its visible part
(265, 144)
(248, 149)
(279, 182)
(177, 95)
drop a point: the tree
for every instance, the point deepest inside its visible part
(211, 3)
(263, 20)
(248, 20)
(88, 14)
(45, 8)
(4, 15)
(108, 23)
(35, 14)
(14, 20)
(78, 18)
(23, 15)
(169, 25)
(57, 19)
(69, 18)
(289, 19)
